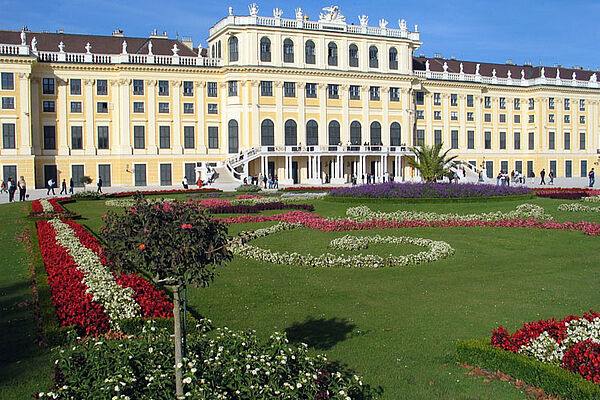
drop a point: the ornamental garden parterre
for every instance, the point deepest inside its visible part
(116, 339)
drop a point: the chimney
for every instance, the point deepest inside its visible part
(187, 41)
(156, 35)
(118, 33)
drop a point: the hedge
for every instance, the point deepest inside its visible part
(415, 200)
(553, 379)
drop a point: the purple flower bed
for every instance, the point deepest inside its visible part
(253, 209)
(393, 190)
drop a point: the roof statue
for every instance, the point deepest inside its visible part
(332, 14)
(150, 48)
(253, 8)
(383, 23)
(298, 13)
(88, 48)
(364, 20)
(462, 70)
(23, 37)
(61, 47)
(557, 74)
(522, 74)
(509, 74)
(230, 10)
(277, 12)
(124, 45)
(594, 77)
(445, 66)
(494, 73)
(427, 65)
(543, 73)
(402, 24)
(175, 49)
(34, 44)
(477, 69)
(574, 75)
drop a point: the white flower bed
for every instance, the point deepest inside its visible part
(577, 207)
(523, 211)
(117, 300)
(46, 206)
(286, 198)
(127, 203)
(591, 199)
(437, 250)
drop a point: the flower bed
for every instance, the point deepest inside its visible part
(577, 207)
(170, 191)
(254, 209)
(570, 195)
(573, 343)
(127, 203)
(309, 189)
(591, 199)
(48, 207)
(392, 190)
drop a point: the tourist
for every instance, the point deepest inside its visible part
(3, 187)
(264, 179)
(184, 182)
(260, 177)
(71, 185)
(498, 178)
(551, 177)
(464, 171)
(99, 184)
(12, 188)
(542, 176)
(275, 182)
(63, 187)
(592, 177)
(50, 187)
(22, 189)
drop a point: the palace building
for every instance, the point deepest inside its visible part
(310, 101)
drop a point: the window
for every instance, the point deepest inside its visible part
(312, 133)
(213, 137)
(551, 103)
(163, 107)
(437, 137)
(517, 140)
(437, 115)
(487, 102)
(75, 106)
(504, 166)
(375, 133)
(531, 119)
(519, 166)
(211, 89)
(568, 168)
(551, 118)
(290, 130)
(311, 90)
(75, 87)
(232, 136)
(373, 57)
(454, 115)
(530, 168)
(470, 140)
(333, 91)
(188, 108)
(582, 119)
(503, 103)
(233, 49)
(551, 140)
(581, 140)
(353, 55)
(420, 139)
(266, 88)
(309, 52)
(164, 137)
(76, 138)
(394, 94)
(454, 100)
(77, 172)
(437, 99)
(583, 169)
(502, 118)
(213, 108)
(470, 116)
(393, 57)
(517, 104)
(232, 88)
(138, 87)
(139, 174)
(332, 57)
(354, 92)
(517, 119)
(567, 118)
(531, 140)
(567, 140)
(289, 89)
(49, 137)
(374, 93)
(531, 104)
(104, 173)
(189, 137)
(469, 100)
(334, 133)
(139, 137)
(48, 106)
(165, 175)
(8, 136)
(138, 106)
(8, 103)
(487, 140)
(355, 133)
(102, 107)
(502, 140)
(103, 142)
(395, 134)
(101, 87)
(265, 49)
(288, 51)
(188, 88)
(190, 171)
(454, 139)
(48, 85)
(487, 117)
(8, 81)
(420, 98)
(567, 104)
(267, 133)
(163, 88)
(582, 105)
(420, 114)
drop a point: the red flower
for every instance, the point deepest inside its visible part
(142, 246)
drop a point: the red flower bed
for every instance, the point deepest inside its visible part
(36, 205)
(563, 195)
(584, 359)
(131, 193)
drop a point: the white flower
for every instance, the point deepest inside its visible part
(187, 380)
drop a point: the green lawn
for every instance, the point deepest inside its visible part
(395, 327)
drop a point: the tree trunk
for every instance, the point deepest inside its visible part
(178, 357)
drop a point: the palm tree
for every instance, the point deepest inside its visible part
(431, 163)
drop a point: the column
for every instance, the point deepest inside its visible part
(262, 165)
(344, 124)
(35, 116)
(301, 108)
(255, 116)
(407, 110)
(279, 137)
(115, 129)
(90, 148)
(24, 104)
(323, 114)
(366, 125)
(200, 112)
(151, 85)
(124, 116)
(177, 149)
(61, 105)
(385, 100)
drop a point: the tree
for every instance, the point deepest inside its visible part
(177, 243)
(431, 164)
(85, 180)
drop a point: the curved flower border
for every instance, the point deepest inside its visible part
(577, 207)
(128, 203)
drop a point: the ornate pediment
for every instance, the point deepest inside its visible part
(332, 14)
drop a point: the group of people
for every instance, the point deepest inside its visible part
(51, 185)
(268, 182)
(505, 179)
(9, 186)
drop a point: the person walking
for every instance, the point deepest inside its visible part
(22, 189)
(63, 187)
(592, 177)
(551, 177)
(99, 190)
(71, 185)
(50, 187)
(3, 187)
(184, 182)
(542, 176)
(12, 188)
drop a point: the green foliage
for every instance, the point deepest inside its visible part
(135, 326)
(85, 180)
(172, 241)
(551, 378)
(431, 164)
(248, 188)
(86, 195)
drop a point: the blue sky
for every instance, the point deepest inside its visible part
(549, 32)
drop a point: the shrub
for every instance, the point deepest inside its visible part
(86, 195)
(248, 188)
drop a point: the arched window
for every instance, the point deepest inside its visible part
(375, 133)
(353, 55)
(355, 133)
(312, 133)
(267, 133)
(265, 49)
(233, 136)
(309, 52)
(395, 134)
(290, 133)
(334, 133)
(373, 57)
(288, 51)
(212, 51)
(393, 58)
(332, 54)
(233, 49)
(219, 49)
